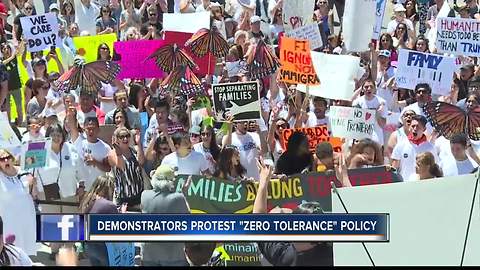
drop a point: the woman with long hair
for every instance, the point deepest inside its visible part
(426, 167)
(120, 118)
(106, 24)
(411, 12)
(67, 11)
(228, 165)
(11, 255)
(365, 153)
(276, 27)
(402, 37)
(274, 135)
(297, 158)
(208, 147)
(17, 193)
(421, 44)
(385, 42)
(37, 104)
(156, 150)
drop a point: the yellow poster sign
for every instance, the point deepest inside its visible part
(87, 46)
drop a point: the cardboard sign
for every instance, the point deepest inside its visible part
(351, 123)
(416, 67)
(309, 32)
(242, 100)
(458, 36)
(87, 46)
(121, 254)
(315, 135)
(358, 22)
(297, 13)
(333, 84)
(296, 62)
(373, 176)
(380, 12)
(35, 154)
(41, 31)
(186, 22)
(218, 196)
(133, 55)
(203, 62)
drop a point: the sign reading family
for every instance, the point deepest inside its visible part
(416, 67)
(458, 36)
(351, 123)
(241, 100)
(41, 31)
(296, 62)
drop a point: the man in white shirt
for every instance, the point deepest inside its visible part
(405, 152)
(318, 117)
(371, 101)
(423, 95)
(92, 150)
(86, 14)
(249, 146)
(184, 158)
(400, 16)
(457, 162)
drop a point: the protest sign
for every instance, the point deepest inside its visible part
(458, 36)
(218, 196)
(315, 136)
(121, 254)
(41, 31)
(380, 12)
(241, 254)
(186, 22)
(8, 138)
(416, 67)
(87, 46)
(203, 62)
(297, 13)
(235, 68)
(133, 55)
(351, 123)
(174, 127)
(309, 32)
(373, 176)
(296, 62)
(35, 154)
(333, 84)
(358, 14)
(242, 100)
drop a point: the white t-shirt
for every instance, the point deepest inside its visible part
(108, 91)
(447, 162)
(86, 17)
(249, 148)
(68, 171)
(385, 93)
(193, 164)
(198, 147)
(373, 104)
(313, 121)
(98, 150)
(406, 153)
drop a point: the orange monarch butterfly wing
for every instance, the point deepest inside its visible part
(447, 119)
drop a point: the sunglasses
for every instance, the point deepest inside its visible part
(28, 8)
(152, 14)
(322, 3)
(283, 125)
(123, 136)
(105, 11)
(205, 134)
(401, 28)
(104, 48)
(193, 135)
(5, 158)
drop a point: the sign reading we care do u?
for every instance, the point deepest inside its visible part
(41, 31)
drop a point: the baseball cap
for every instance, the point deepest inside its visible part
(53, 7)
(255, 19)
(194, 130)
(399, 8)
(385, 53)
(468, 66)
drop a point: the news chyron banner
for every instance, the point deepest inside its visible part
(296, 62)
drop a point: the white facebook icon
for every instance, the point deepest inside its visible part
(65, 225)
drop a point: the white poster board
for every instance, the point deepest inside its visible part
(416, 67)
(8, 138)
(333, 84)
(351, 123)
(428, 221)
(297, 13)
(458, 36)
(358, 23)
(309, 32)
(41, 31)
(186, 22)
(379, 13)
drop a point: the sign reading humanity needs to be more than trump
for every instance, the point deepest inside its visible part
(416, 67)
(296, 62)
(458, 36)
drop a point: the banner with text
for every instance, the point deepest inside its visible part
(242, 100)
(297, 13)
(373, 176)
(458, 36)
(351, 123)
(309, 32)
(41, 31)
(133, 55)
(357, 15)
(296, 62)
(416, 67)
(315, 136)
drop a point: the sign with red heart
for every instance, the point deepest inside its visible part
(351, 123)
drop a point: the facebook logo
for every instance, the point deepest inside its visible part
(53, 228)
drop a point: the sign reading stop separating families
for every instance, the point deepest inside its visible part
(296, 62)
(41, 31)
(241, 100)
